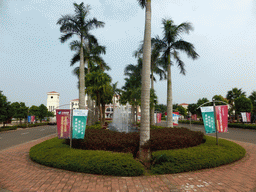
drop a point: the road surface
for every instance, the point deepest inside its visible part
(16, 137)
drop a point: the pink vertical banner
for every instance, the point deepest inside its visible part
(159, 117)
(194, 117)
(248, 115)
(222, 118)
(32, 119)
(63, 123)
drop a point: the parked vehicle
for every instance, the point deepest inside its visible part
(52, 121)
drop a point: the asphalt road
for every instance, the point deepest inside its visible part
(244, 135)
(15, 137)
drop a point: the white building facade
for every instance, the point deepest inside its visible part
(53, 101)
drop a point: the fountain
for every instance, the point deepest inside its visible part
(122, 120)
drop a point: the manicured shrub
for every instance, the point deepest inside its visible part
(173, 138)
(7, 128)
(164, 139)
(203, 156)
(54, 153)
(96, 126)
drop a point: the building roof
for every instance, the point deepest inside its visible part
(75, 100)
(53, 92)
(183, 104)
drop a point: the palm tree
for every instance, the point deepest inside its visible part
(170, 45)
(231, 96)
(79, 25)
(155, 68)
(145, 88)
(116, 92)
(97, 84)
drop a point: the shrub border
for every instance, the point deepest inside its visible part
(40, 153)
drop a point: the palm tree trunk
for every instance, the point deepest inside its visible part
(169, 95)
(136, 114)
(103, 113)
(144, 154)
(152, 120)
(81, 78)
(133, 114)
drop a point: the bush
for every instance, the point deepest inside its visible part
(203, 156)
(7, 128)
(166, 138)
(96, 126)
(174, 138)
(54, 153)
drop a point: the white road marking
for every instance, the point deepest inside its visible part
(42, 129)
(24, 133)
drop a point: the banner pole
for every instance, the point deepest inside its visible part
(213, 100)
(71, 126)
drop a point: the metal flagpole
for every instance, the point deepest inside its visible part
(71, 126)
(213, 100)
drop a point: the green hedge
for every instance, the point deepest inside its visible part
(232, 125)
(203, 156)
(54, 153)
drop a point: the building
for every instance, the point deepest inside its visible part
(53, 101)
(185, 105)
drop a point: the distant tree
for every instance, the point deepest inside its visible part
(161, 108)
(192, 108)
(175, 107)
(243, 104)
(220, 98)
(34, 111)
(43, 112)
(252, 97)
(200, 102)
(21, 110)
(182, 110)
(231, 96)
(116, 92)
(6, 109)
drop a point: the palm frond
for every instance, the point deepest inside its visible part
(66, 37)
(186, 47)
(142, 3)
(180, 63)
(75, 45)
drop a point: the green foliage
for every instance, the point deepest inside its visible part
(192, 108)
(43, 112)
(96, 126)
(200, 102)
(153, 98)
(6, 109)
(220, 98)
(161, 108)
(21, 111)
(182, 111)
(206, 155)
(243, 104)
(54, 153)
(34, 110)
(252, 97)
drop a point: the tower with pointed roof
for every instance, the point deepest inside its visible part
(53, 101)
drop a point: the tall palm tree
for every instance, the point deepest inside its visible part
(170, 44)
(79, 25)
(145, 88)
(155, 68)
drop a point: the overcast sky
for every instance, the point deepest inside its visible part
(34, 62)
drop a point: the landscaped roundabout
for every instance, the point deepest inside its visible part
(105, 152)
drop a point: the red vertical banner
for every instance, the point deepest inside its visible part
(63, 123)
(248, 115)
(222, 118)
(194, 117)
(159, 117)
(32, 119)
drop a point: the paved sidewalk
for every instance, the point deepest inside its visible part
(19, 173)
